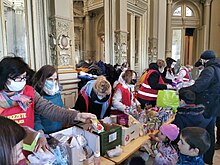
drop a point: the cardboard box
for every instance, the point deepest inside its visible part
(130, 133)
(109, 139)
(92, 139)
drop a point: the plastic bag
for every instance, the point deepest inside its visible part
(168, 98)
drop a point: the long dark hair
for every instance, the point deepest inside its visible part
(13, 67)
(10, 134)
(41, 75)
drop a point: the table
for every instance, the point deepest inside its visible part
(132, 147)
(105, 161)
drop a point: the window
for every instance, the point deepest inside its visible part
(177, 12)
(15, 28)
(189, 12)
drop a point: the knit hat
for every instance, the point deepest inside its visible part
(170, 130)
(208, 54)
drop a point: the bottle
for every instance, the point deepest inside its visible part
(97, 160)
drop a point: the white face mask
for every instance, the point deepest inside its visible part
(16, 86)
(173, 64)
(51, 87)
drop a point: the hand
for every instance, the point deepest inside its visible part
(169, 86)
(85, 117)
(41, 143)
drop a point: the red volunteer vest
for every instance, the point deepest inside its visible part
(126, 95)
(146, 92)
(24, 118)
(186, 77)
(86, 98)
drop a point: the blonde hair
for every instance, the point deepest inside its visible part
(102, 86)
(161, 63)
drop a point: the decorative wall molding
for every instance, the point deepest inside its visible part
(138, 7)
(153, 50)
(120, 46)
(61, 31)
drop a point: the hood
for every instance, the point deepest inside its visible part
(215, 62)
(191, 109)
(153, 66)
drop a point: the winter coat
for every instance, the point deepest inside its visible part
(190, 160)
(152, 83)
(166, 155)
(49, 110)
(88, 101)
(42, 123)
(207, 88)
(190, 115)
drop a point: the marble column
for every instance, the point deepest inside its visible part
(86, 37)
(207, 6)
(132, 41)
(62, 31)
(168, 29)
(121, 32)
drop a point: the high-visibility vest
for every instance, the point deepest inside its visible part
(146, 92)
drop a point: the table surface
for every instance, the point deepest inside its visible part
(132, 147)
(105, 161)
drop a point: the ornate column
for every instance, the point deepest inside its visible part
(121, 32)
(168, 29)
(81, 42)
(62, 33)
(132, 41)
(154, 30)
(207, 6)
(86, 37)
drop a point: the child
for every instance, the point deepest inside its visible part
(194, 142)
(189, 114)
(166, 152)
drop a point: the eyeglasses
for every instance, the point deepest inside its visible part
(19, 79)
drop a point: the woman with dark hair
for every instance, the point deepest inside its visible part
(147, 93)
(123, 98)
(19, 101)
(169, 72)
(11, 142)
(46, 83)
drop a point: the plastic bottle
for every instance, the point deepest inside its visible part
(97, 160)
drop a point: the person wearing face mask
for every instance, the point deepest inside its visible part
(124, 98)
(45, 82)
(147, 93)
(11, 141)
(95, 97)
(207, 90)
(19, 101)
(169, 72)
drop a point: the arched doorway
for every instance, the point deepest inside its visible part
(185, 25)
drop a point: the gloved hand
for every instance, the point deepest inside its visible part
(83, 117)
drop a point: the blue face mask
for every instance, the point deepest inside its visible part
(51, 87)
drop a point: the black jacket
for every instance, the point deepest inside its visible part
(190, 116)
(153, 79)
(207, 87)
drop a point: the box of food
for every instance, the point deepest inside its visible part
(109, 138)
(72, 145)
(130, 133)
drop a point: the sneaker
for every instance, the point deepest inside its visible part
(217, 146)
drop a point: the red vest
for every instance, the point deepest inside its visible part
(186, 78)
(146, 92)
(24, 118)
(86, 98)
(126, 94)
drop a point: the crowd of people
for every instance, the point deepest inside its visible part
(29, 99)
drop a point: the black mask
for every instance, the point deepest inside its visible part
(133, 81)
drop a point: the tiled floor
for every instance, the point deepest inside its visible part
(217, 157)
